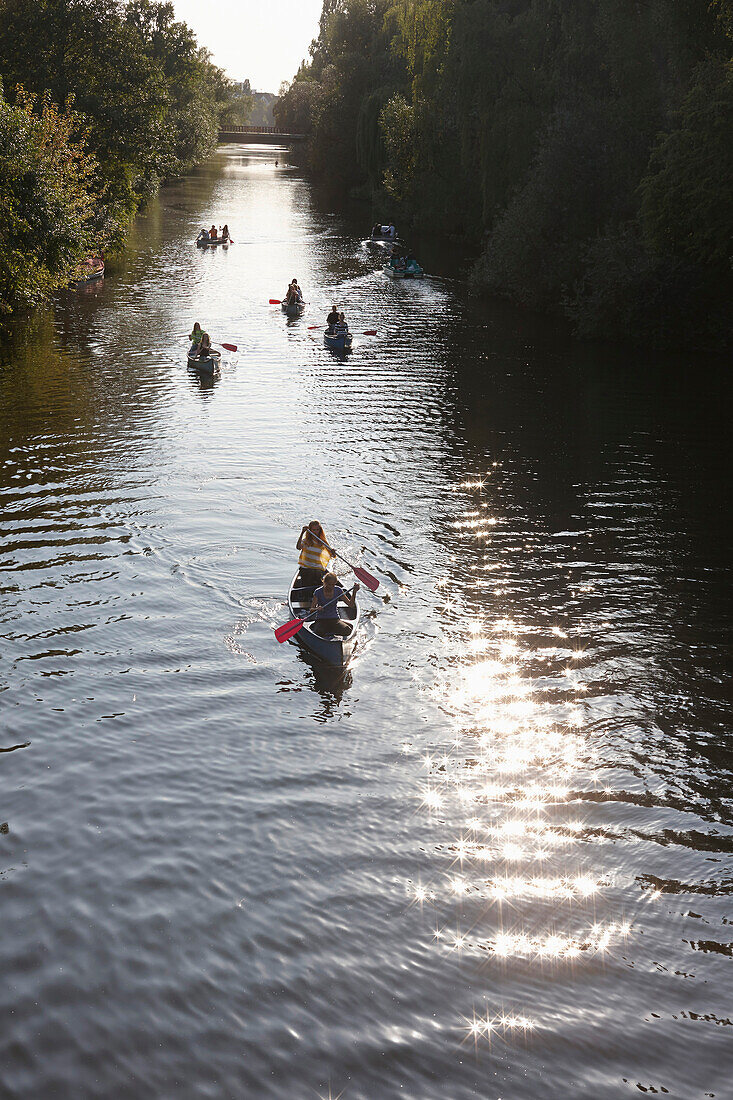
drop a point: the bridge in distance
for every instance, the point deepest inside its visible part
(259, 135)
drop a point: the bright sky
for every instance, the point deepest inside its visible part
(260, 40)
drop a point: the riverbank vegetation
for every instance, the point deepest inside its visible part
(585, 149)
(99, 101)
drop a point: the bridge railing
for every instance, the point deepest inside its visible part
(253, 130)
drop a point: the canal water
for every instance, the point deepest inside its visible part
(495, 858)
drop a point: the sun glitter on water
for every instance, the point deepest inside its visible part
(511, 883)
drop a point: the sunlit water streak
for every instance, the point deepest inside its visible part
(492, 859)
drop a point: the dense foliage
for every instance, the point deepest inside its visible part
(48, 219)
(128, 98)
(587, 147)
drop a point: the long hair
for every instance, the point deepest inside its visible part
(314, 528)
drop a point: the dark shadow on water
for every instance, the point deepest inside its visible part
(330, 683)
(203, 384)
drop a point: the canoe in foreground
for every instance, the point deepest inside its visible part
(335, 651)
(338, 341)
(209, 364)
(294, 309)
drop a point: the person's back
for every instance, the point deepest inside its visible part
(332, 319)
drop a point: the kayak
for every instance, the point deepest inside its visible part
(335, 651)
(414, 271)
(293, 310)
(207, 365)
(338, 341)
(211, 242)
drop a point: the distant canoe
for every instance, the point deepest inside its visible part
(293, 310)
(212, 242)
(209, 364)
(384, 236)
(414, 271)
(336, 651)
(340, 341)
(88, 271)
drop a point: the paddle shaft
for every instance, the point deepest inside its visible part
(284, 633)
(371, 582)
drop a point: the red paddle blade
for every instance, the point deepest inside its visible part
(288, 630)
(370, 332)
(313, 326)
(366, 578)
(275, 301)
(229, 347)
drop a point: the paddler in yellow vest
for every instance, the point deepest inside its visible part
(315, 554)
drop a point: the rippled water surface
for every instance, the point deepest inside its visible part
(495, 859)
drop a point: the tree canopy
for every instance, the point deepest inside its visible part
(128, 95)
(551, 134)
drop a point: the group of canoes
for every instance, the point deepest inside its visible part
(401, 264)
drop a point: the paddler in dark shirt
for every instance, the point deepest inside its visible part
(332, 319)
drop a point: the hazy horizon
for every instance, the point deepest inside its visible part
(264, 44)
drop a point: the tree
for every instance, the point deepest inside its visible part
(48, 210)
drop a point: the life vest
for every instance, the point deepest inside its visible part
(196, 338)
(314, 556)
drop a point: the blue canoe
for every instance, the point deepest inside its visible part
(336, 651)
(338, 342)
(293, 310)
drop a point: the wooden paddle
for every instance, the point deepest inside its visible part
(289, 630)
(364, 576)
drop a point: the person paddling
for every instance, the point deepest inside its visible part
(204, 346)
(195, 338)
(325, 604)
(315, 554)
(332, 319)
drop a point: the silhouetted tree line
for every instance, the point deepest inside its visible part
(587, 147)
(99, 101)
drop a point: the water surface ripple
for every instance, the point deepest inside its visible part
(494, 859)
